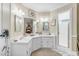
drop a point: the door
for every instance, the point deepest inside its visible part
(63, 33)
(51, 42)
(64, 23)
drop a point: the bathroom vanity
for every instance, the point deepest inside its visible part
(26, 45)
(22, 47)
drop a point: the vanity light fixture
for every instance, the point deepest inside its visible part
(44, 19)
(21, 12)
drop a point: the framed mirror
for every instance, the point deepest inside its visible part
(45, 26)
(17, 23)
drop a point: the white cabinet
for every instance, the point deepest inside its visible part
(51, 42)
(21, 49)
(36, 43)
(25, 49)
(29, 47)
(45, 42)
(48, 42)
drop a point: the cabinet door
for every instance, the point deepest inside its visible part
(45, 42)
(50, 42)
(36, 43)
(39, 42)
(19, 50)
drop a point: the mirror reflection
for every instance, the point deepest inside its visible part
(18, 23)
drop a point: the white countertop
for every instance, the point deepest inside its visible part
(27, 39)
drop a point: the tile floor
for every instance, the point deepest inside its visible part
(45, 52)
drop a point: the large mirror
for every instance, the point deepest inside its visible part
(18, 23)
(45, 26)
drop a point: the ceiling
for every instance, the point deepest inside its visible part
(44, 7)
